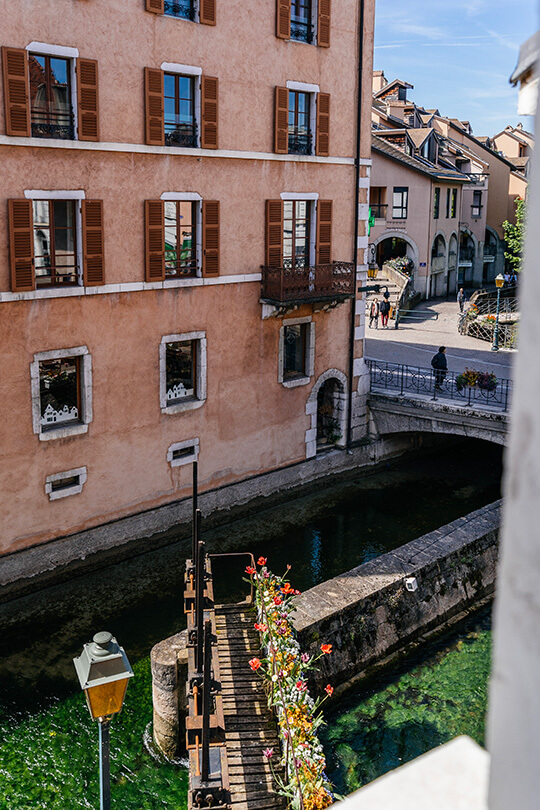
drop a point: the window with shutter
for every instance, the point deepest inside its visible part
(283, 19)
(155, 6)
(323, 23)
(324, 232)
(207, 12)
(274, 233)
(93, 247)
(281, 120)
(16, 91)
(302, 20)
(88, 101)
(51, 98)
(210, 217)
(21, 245)
(323, 125)
(155, 240)
(209, 108)
(299, 134)
(153, 91)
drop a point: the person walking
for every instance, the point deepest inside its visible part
(440, 366)
(385, 311)
(374, 314)
(461, 299)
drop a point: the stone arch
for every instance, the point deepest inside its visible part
(451, 286)
(405, 238)
(438, 265)
(341, 405)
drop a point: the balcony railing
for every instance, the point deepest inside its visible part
(181, 135)
(300, 143)
(320, 282)
(53, 125)
(180, 8)
(378, 211)
(302, 31)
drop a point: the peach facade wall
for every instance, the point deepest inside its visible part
(249, 423)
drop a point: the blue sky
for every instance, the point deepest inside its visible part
(458, 54)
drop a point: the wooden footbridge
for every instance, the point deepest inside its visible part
(229, 724)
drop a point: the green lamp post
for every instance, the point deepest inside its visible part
(499, 281)
(103, 671)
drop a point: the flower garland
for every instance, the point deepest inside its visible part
(284, 673)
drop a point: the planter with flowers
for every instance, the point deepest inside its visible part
(485, 380)
(284, 670)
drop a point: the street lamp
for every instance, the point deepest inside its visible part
(103, 671)
(499, 281)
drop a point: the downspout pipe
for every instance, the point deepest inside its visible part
(356, 197)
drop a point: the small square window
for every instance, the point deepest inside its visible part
(296, 352)
(61, 392)
(400, 202)
(182, 372)
(183, 453)
(61, 485)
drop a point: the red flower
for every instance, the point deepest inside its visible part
(277, 600)
(326, 648)
(297, 593)
(287, 588)
(260, 627)
(329, 690)
(261, 561)
(254, 664)
(301, 686)
(250, 570)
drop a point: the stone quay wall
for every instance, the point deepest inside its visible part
(370, 617)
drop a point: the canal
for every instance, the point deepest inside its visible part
(48, 748)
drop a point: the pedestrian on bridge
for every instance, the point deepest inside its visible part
(374, 313)
(440, 366)
(385, 311)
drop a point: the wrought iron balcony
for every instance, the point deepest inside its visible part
(180, 8)
(300, 143)
(304, 285)
(53, 125)
(302, 31)
(181, 135)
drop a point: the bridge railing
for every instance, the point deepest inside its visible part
(428, 382)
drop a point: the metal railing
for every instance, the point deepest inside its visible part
(300, 143)
(181, 135)
(407, 380)
(302, 31)
(321, 282)
(180, 8)
(53, 125)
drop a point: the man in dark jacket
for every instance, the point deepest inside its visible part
(440, 366)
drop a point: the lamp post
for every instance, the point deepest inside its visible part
(103, 671)
(499, 281)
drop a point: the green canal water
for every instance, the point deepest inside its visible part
(48, 745)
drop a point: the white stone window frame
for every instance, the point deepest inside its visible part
(67, 194)
(313, 90)
(85, 387)
(310, 352)
(188, 459)
(189, 196)
(312, 197)
(196, 73)
(54, 495)
(199, 399)
(62, 52)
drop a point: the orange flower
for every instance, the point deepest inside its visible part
(254, 664)
(250, 570)
(277, 600)
(286, 588)
(260, 627)
(326, 648)
(261, 561)
(329, 690)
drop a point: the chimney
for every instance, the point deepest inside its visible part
(379, 80)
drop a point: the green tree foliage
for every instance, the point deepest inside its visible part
(515, 235)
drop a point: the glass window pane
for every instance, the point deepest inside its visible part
(59, 391)
(179, 358)
(169, 108)
(40, 212)
(294, 350)
(168, 85)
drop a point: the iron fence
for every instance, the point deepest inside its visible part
(321, 282)
(436, 384)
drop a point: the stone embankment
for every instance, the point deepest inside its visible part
(371, 618)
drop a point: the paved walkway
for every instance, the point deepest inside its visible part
(415, 343)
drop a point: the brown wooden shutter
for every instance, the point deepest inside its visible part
(209, 106)
(21, 245)
(324, 232)
(154, 218)
(155, 6)
(322, 146)
(281, 121)
(207, 12)
(16, 91)
(274, 233)
(92, 233)
(323, 23)
(283, 19)
(153, 94)
(210, 237)
(88, 99)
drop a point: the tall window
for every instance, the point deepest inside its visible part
(59, 392)
(180, 238)
(180, 8)
(299, 129)
(179, 110)
(476, 207)
(296, 228)
(400, 202)
(294, 348)
(301, 20)
(55, 250)
(453, 203)
(436, 203)
(50, 97)
(180, 360)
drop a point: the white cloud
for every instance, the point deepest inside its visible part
(428, 31)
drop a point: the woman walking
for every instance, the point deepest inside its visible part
(374, 314)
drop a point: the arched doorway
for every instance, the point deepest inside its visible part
(451, 288)
(330, 407)
(467, 255)
(391, 248)
(437, 284)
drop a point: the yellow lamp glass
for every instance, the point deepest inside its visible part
(107, 698)
(499, 280)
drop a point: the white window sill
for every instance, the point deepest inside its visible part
(294, 383)
(188, 405)
(62, 432)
